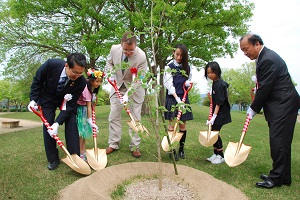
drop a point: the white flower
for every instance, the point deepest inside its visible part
(68, 97)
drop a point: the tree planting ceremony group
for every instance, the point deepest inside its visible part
(62, 53)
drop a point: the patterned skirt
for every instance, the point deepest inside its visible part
(172, 112)
(84, 128)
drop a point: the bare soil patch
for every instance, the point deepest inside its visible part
(100, 184)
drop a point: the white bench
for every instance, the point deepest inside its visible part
(10, 124)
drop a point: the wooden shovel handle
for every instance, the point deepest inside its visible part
(245, 128)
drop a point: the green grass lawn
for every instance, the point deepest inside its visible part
(23, 172)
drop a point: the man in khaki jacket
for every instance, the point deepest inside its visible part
(131, 90)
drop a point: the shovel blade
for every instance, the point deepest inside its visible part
(137, 126)
(208, 138)
(234, 156)
(96, 160)
(77, 164)
(164, 143)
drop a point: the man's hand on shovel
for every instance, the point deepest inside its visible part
(251, 113)
(32, 105)
(125, 99)
(53, 129)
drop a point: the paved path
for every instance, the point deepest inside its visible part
(24, 124)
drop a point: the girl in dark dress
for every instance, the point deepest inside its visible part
(221, 108)
(177, 73)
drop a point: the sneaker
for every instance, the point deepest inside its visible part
(211, 158)
(218, 160)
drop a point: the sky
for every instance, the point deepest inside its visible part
(278, 24)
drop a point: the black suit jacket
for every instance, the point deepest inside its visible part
(43, 88)
(276, 93)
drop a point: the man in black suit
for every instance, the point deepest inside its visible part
(277, 95)
(53, 80)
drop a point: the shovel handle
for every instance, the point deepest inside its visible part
(245, 128)
(183, 99)
(210, 106)
(40, 114)
(114, 84)
(94, 121)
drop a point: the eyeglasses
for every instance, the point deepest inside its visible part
(128, 51)
(76, 73)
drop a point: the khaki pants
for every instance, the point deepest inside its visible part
(115, 125)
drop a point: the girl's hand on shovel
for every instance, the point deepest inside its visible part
(90, 121)
(212, 120)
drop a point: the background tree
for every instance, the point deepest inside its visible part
(240, 84)
(194, 95)
(32, 31)
(205, 27)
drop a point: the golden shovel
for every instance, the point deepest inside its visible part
(236, 153)
(173, 135)
(73, 161)
(96, 157)
(208, 138)
(136, 126)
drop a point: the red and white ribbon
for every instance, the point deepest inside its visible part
(67, 98)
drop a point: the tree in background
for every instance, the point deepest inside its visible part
(240, 84)
(194, 95)
(32, 31)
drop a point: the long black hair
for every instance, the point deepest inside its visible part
(185, 59)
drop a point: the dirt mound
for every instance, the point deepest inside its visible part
(100, 184)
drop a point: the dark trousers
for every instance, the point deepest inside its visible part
(281, 132)
(218, 144)
(71, 134)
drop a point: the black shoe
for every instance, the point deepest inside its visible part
(265, 184)
(175, 155)
(53, 165)
(181, 154)
(263, 176)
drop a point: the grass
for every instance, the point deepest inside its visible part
(23, 172)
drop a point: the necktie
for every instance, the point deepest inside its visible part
(61, 84)
(125, 60)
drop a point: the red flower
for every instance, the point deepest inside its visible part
(133, 70)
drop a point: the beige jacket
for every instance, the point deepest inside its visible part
(113, 70)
